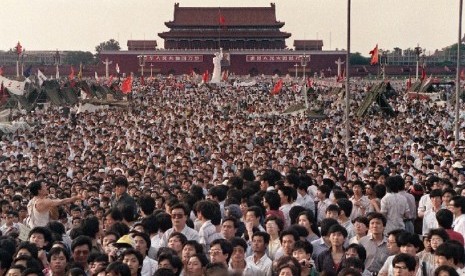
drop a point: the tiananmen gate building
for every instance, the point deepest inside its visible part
(251, 39)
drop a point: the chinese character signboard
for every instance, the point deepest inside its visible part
(273, 58)
(175, 58)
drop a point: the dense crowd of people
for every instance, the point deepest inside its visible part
(194, 181)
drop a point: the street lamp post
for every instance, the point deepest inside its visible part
(141, 64)
(384, 63)
(151, 70)
(347, 100)
(423, 59)
(303, 63)
(22, 62)
(57, 63)
(457, 78)
(418, 52)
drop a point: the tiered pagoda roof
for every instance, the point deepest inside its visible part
(233, 17)
(239, 22)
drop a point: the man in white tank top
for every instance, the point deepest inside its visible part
(39, 206)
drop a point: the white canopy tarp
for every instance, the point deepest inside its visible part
(15, 87)
(13, 127)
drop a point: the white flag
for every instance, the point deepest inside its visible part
(15, 87)
(58, 74)
(96, 76)
(117, 68)
(41, 77)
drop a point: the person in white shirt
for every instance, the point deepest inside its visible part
(429, 219)
(209, 214)
(450, 253)
(360, 229)
(237, 263)
(458, 208)
(189, 249)
(259, 258)
(393, 205)
(142, 244)
(360, 201)
(425, 202)
(179, 213)
(345, 209)
(303, 253)
(322, 197)
(288, 195)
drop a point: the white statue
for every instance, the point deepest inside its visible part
(216, 75)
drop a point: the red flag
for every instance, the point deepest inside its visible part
(205, 77)
(71, 75)
(1, 71)
(309, 83)
(221, 19)
(277, 87)
(409, 82)
(142, 81)
(110, 80)
(225, 75)
(374, 55)
(19, 48)
(462, 74)
(126, 86)
(423, 73)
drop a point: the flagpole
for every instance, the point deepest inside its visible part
(347, 126)
(457, 77)
(219, 28)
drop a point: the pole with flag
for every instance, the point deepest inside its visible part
(1, 93)
(277, 87)
(27, 72)
(423, 72)
(457, 78)
(225, 75)
(19, 50)
(374, 55)
(110, 81)
(222, 24)
(347, 100)
(117, 72)
(71, 77)
(205, 77)
(126, 86)
(41, 77)
(80, 71)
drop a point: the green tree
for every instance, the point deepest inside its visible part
(110, 45)
(77, 57)
(358, 59)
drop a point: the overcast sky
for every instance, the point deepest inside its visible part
(83, 24)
